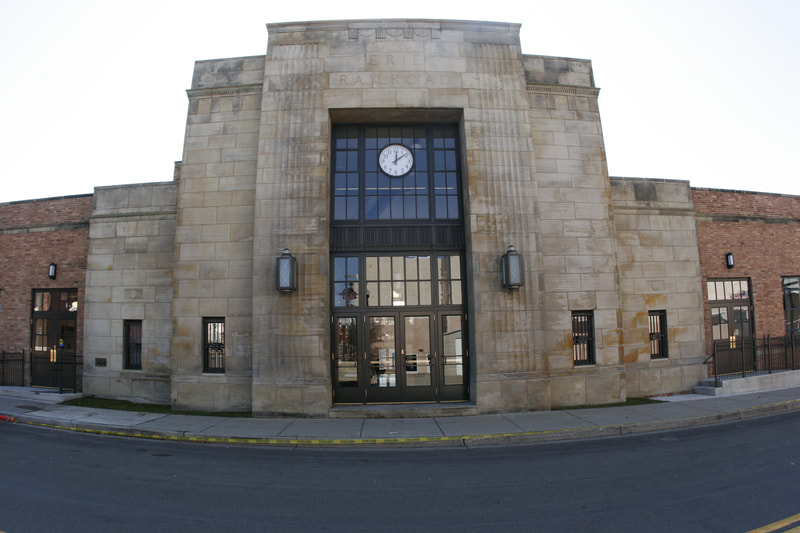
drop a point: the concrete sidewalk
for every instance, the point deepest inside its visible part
(42, 408)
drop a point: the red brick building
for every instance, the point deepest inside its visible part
(42, 306)
(761, 232)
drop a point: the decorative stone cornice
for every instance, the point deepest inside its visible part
(224, 91)
(568, 90)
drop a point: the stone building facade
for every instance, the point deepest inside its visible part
(659, 269)
(395, 162)
(129, 279)
(399, 295)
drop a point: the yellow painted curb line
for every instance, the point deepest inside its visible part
(302, 442)
(350, 442)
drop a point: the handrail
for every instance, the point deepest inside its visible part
(712, 360)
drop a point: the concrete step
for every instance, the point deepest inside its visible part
(709, 391)
(41, 394)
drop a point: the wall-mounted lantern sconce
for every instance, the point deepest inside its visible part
(51, 272)
(513, 273)
(286, 272)
(729, 259)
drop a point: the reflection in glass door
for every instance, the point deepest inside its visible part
(418, 359)
(382, 359)
(346, 359)
(453, 358)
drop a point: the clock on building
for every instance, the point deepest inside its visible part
(396, 160)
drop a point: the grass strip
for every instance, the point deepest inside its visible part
(631, 401)
(123, 405)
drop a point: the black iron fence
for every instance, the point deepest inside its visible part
(68, 373)
(12, 365)
(739, 358)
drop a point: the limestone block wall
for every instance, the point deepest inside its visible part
(214, 234)
(129, 277)
(659, 270)
(502, 210)
(318, 73)
(578, 240)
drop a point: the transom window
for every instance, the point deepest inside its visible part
(397, 280)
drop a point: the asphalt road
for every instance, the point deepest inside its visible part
(731, 477)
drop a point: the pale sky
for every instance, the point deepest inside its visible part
(93, 93)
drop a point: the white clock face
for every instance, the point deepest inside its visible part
(396, 160)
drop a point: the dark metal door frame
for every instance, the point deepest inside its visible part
(55, 330)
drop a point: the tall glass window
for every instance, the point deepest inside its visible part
(362, 191)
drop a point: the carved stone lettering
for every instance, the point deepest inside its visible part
(393, 61)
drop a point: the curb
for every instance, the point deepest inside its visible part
(524, 437)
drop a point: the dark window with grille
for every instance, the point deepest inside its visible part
(658, 335)
(132, 344)
(583, 338)
(214, 345)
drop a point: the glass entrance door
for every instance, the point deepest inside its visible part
(453, 358)
(399, 357)
(381, 360)
(418, 360)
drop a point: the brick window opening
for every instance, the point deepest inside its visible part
(132, 344)
(583, 338)
(658, 335)
(214, 345)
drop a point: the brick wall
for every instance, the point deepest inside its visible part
(33, 234)
(763, 232)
